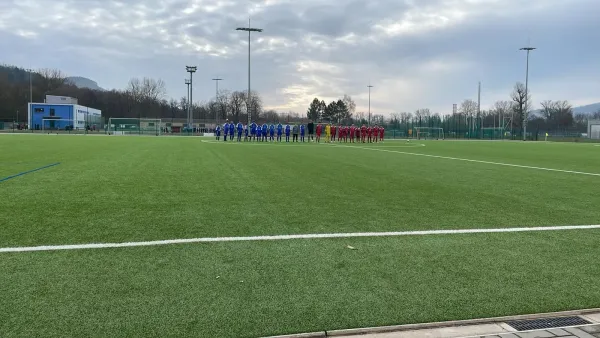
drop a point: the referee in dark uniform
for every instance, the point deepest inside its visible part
(311, 130)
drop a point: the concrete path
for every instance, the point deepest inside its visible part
(477, 328)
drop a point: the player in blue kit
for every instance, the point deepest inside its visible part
(240, 130)
(302, 132)
(287, 133)
(231, 131)
(279, 132)
(271, 132)
(218, 132)
(246, 131)
(265, 130)
(225, 130)
(252, 130)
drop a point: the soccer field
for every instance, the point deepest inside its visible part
(93, 189)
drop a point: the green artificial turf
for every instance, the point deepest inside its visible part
(116, 189)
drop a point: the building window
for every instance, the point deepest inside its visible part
(38, 110)
(52, 112)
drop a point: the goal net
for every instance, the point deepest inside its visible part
(134, 126)
(429, 133)
(493, 133)
(59, 124)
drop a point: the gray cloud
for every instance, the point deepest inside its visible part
(416, 53)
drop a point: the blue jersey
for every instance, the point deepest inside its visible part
(302, 129)
(253, 128)
(272, 129)
(240, 127)
(279, 129)
(225, 128)
(231, 128)
(246, 131)
(287, 129)
(264, 129)
(218, 130)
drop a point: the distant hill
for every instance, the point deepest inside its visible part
(588, 109)
(83, 82)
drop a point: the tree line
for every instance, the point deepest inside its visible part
(147, 98)
(142, 98)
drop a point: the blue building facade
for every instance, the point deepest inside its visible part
(51, 116)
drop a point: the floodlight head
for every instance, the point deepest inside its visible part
(248, 29)
(191, 69)
(217, 79)
(528, 48)
(370, 86)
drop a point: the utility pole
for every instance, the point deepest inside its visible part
(479, 110)
(191, 70)
(249, 29)
(526, 108)
(369, 86)
(217, 101)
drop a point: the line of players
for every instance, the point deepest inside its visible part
(351, 133)
(270, 133)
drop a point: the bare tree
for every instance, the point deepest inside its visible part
(237, 102)
(503, 109)
(52, 79)
(350, 105)
(519, 100)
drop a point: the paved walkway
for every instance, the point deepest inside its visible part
(588, 331)
(486, 328)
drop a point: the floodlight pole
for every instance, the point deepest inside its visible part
(525, 113)
(191, 70)
(217, 100)
(188, 82)
(249, 29)
(370, 104)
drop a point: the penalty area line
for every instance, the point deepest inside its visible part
(474, 161)
(291, 237)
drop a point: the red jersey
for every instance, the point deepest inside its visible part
(370, 131)
(352, 131)
(381, 132)
(332, 130)
(363, 130)
(319, 129)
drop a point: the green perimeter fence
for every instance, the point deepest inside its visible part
(449, 128)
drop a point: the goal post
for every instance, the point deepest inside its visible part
(134, 126)
(493, 133)
(429, 133)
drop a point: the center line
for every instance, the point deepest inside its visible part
(288, 237)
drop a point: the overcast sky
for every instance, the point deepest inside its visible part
(416, 53)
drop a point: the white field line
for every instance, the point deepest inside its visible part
(474, 161)
(288, 237)
(303, 144)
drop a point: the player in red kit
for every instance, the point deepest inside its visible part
(352, 130)
(319, 131)
(370, 133)
(333, 129)
(363, 133)
(375, 133)
(381, 133)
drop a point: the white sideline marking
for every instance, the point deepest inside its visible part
(287, 237)
(475, 161)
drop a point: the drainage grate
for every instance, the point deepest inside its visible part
(547, 323)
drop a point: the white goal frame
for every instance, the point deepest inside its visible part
(429, 132)
(142, 126)
(72, 124)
